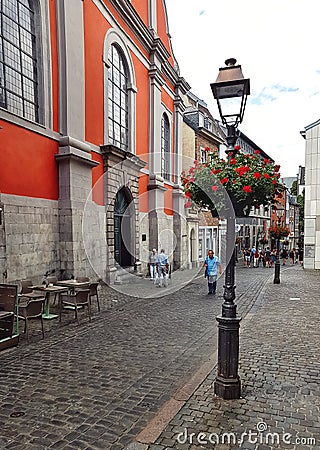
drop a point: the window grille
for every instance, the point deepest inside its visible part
(165, 148)
(117, 99)
(18, 61)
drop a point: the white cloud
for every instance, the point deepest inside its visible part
(276, 43)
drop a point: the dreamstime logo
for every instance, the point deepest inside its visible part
(111, 221)
(260, 436)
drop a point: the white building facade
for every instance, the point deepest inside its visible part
(312, 197)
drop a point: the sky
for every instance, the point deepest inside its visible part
(276, 42)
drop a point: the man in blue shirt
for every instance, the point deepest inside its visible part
(163, 266)
(212, 265)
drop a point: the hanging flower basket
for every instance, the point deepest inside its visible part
(278, 232)
(240, 182)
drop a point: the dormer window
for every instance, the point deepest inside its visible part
(201, 120)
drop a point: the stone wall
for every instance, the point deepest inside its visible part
(31, 232)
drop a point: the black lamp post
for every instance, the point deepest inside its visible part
(276, 280)
(230, 90)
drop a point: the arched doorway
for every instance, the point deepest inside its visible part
(123, 228)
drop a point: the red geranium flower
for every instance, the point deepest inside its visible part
(188, 204)
(215, 188)
(188, 194)
(266, 175)
(233, 161)
(237, 147)
(224, 180)
(257, 175)
(247, 189)
(257, 152)
(242, 170)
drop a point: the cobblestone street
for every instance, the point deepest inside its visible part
(279, 369)
(97, 385)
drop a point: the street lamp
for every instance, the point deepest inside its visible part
(276, 280)
(230, 90)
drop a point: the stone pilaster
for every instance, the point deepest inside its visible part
(3, 250)
(156, 191)
(121, 171)
(179, 227)
(70, 28)
(75, 185)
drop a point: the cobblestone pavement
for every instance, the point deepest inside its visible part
(279, 370)
(97, 385)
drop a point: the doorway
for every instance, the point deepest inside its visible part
(123, 228)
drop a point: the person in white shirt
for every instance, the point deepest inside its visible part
(153, 259)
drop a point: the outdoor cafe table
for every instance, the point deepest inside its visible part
(49, 290)
(73, 284)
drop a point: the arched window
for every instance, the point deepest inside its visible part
(18, 60)
(117, 99)
(165, 147)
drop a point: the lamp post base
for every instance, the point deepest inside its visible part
(227, 389)
(227, 384)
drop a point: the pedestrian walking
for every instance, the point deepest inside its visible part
(256, 258)
(163, 268)
(263, 257)
(292, 255)
(301, 256)
(212, 267)
(284, 256)
(153, 259)
(253, 251)
(248, 257)
(268, 257)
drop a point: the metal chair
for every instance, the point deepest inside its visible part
(83, 279)
(79, 299)
(33, 309)
(93, 288)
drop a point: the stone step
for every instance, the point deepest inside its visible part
(125, 275)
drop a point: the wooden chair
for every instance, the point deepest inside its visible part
(93, 288)
(51, 280)
(8, 298)
(33, 309)
(79, 299)
(26, 290)
(83, 279)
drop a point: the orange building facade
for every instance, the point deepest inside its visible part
(91, 113)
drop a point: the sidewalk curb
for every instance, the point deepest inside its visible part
(167, 412)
